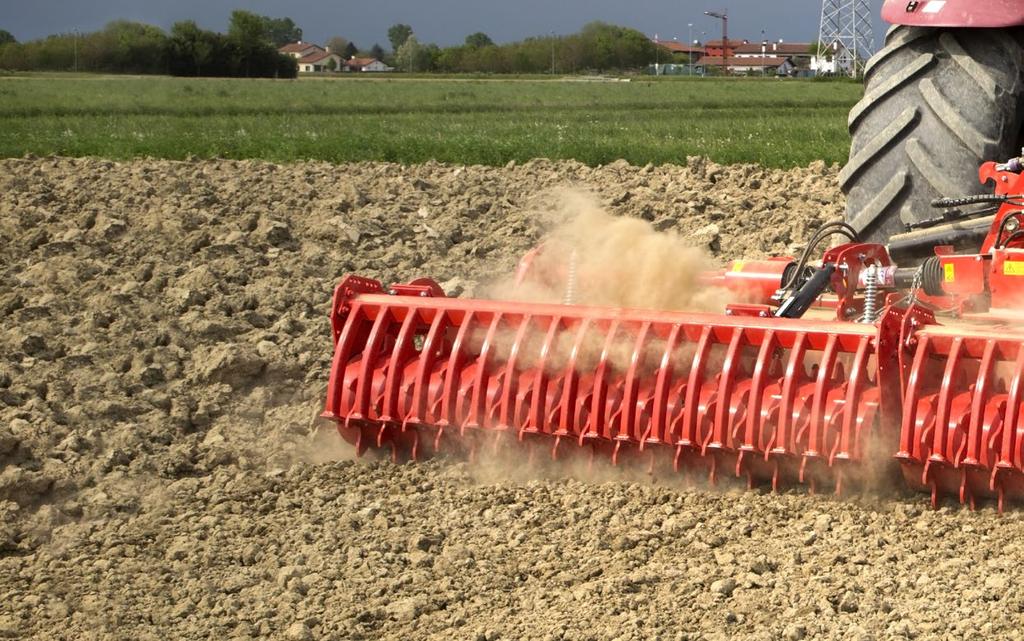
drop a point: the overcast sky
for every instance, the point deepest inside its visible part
(442, 21)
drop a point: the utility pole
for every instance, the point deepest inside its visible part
(724, 17)
(75, 40)
(552, 53)
(764, 50)
(657, 56)
(689, 51)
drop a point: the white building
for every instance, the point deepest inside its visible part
(769, 65)
(831, 61)
(366, 65)
(321, 61)
(300, 49)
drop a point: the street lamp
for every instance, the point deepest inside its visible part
(764, 50)
(724, 17)
(689, 50)
(657, 55)
(552, 54)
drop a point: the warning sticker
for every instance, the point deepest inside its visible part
(934, 6)
(950, 271)
(1013, 268)
(738, 265)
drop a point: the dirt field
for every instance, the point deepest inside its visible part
(163, 351)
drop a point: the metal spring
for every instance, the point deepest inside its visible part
(570, 281)
(870, 295)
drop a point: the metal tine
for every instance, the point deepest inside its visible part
(368, 363)
(688, 434)
(537, 416)
(910, 449)
(400, 356)
(595, 427)
(849, 435)
(762, 370)
(1009, 427)
(781, 443)
(505, 403)
(453, 372)
(979, 405)
(350, 336)
(631, 388)
(477, 414)
(656, 431)
(821, 389)
(429, 356)
(569, 418)
(945, 401)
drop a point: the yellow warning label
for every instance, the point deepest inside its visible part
(950, 270)
(737, 266)
(1013, 268)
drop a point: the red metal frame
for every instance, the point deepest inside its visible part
(954, 13)
(749, 396)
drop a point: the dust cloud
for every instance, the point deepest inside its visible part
(592, 257)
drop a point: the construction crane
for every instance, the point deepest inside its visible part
(724, 17)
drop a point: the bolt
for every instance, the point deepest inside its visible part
(424, 294)
(392, 292)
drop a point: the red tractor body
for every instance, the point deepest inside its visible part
(954, 13)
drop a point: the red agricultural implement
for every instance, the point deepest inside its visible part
(838, 364)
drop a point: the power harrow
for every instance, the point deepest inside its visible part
(833, 367)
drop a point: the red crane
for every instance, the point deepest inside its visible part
(724, 17)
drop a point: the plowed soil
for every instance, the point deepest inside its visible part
(163, 351)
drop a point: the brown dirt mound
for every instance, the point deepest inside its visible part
(163, 352)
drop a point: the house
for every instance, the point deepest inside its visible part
(686, 54)
(321, 61)
(834, 60)
(717, 49)
(806, 60)
(366, 65)
(300, 49)
(768, 65)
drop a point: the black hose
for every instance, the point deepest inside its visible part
(828, 229)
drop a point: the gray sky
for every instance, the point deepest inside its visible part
(442, 21)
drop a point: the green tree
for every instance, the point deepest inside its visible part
(351, 50)
(478, 40)
(332, 65)
(414, 57)
(191, 44)
(337, 45)
(281, 31)
(248, 28)
(7, 38)
(398, 34)
(248, 33)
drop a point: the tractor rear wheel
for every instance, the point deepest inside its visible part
(937, 103)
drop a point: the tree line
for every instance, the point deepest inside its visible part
(248, 49)
(599, 46)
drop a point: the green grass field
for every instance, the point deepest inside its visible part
(475, 121)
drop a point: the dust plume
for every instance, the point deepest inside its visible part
(591, 257)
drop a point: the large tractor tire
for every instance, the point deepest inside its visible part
(937, 103)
